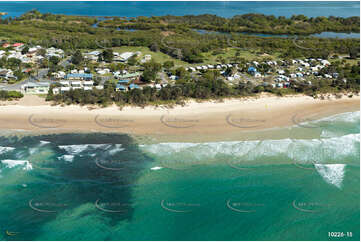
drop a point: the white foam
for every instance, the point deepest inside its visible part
(68, 158)
(32, 150)
(75, 149)
(332, 173)
(349, 117)
(329, 150)
(116, 149)
(156, 168)
(43, 142)
(5, 149)
(12, 163)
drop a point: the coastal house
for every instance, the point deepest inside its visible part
(7, 74)
(252, 70)
(65, 83)
(130, 76)
(79, 76)
(35, 88)
(257, 74)
(325, 62)
(18, 46)
(88, 84)
(54, 52)
(120, 87)
(125, 56)
(76, 85)
(146, 58)
(133, 86)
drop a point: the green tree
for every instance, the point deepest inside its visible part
(77, 58)
(150, 71)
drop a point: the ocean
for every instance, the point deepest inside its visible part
(159, 8)
(101, 186)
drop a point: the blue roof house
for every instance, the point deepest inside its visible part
(132, 86)
(252, 70)
(123, 81)
(120, 87)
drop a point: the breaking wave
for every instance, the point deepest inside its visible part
(13, 163)
(324, 150)
(332, 173)
(5, 149)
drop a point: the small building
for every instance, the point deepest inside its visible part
(252, 70)
(133, 86)
(257, 74)
(325, 62)
(64, 89)
(120, 87)
(123, 81)
(35, 88)
(79, 76)
(76, 84)
(65, 83)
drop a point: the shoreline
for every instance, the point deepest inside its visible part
(232, 119)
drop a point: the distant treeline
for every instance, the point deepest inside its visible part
(254, 23)
(174, 35)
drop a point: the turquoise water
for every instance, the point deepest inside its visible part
(151, 8)
(109, 187)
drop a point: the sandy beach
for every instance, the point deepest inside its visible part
(211, 120)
